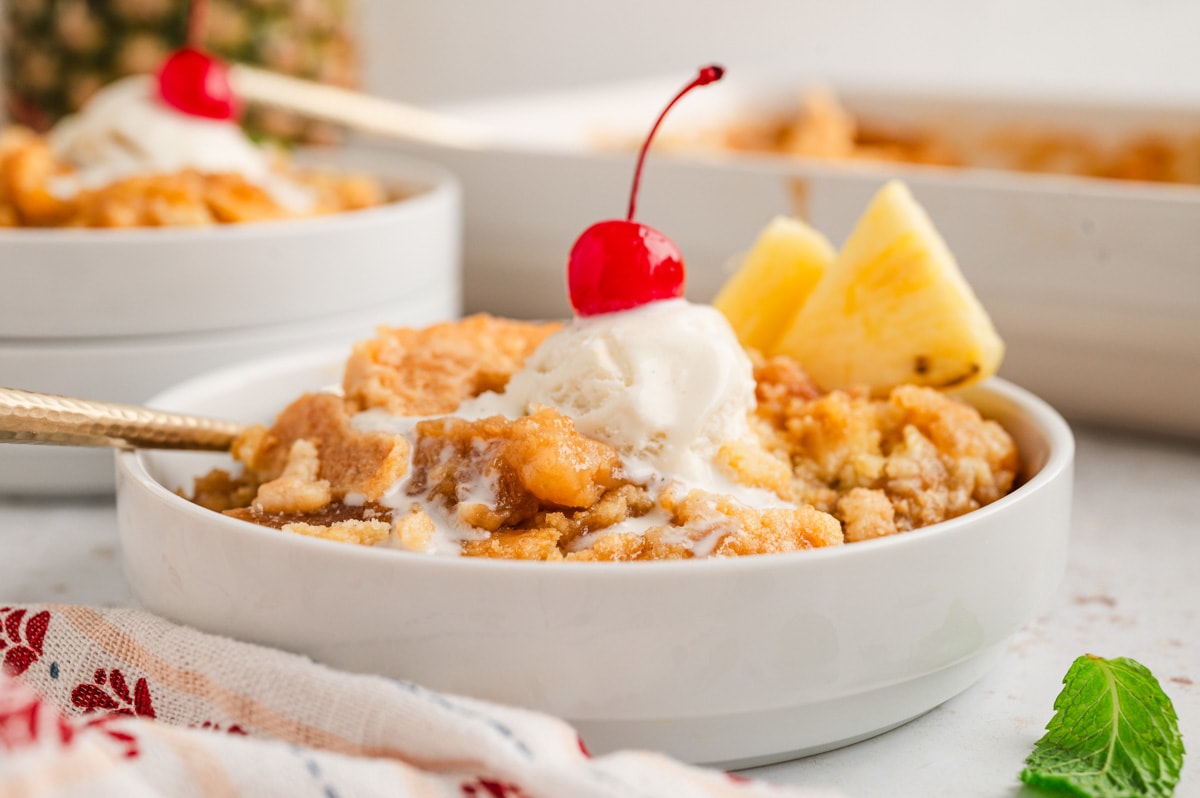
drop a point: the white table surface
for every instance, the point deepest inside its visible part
(1132, 589)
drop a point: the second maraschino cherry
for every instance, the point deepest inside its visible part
(619, 263)
(194, 82)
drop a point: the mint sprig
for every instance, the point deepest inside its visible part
(1114, 734)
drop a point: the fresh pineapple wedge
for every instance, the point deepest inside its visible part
(773, 281)
(893, 308)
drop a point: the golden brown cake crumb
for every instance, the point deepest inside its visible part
(495, 472)
(615, 507)
(750, 463)
(431, 371)
(780, 383)
(746, 530)
(704, 524)
(522, 544)
(931, 455)
(415, 530)
(865, 514)
(298, 489)
(363, 533)
(550, 535)
(365, 463)
(218, 490)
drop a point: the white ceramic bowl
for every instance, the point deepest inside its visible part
(169, 281)
(119, 315)
(732, 662)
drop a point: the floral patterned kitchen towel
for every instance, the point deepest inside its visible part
(117, 702)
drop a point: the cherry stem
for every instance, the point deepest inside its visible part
(707, 75)
(196, 23)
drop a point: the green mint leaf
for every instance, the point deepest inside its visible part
(1114, 734)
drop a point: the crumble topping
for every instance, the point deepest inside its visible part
(347, 460)
(426, 372)
(818, 469)
(882, 466)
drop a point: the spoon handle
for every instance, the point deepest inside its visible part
(356, 110)
(31, 417)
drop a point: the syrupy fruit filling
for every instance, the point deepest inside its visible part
(331, 514)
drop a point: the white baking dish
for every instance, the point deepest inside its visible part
(1094, 284)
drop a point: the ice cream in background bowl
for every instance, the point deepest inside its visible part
(127, 130)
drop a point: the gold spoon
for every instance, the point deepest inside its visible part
(32, 417)
(357, 110)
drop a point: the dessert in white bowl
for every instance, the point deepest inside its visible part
(649, 432)
(729, 660)
(163, 151)
(517, 440)
(641, 429)
(605, 444)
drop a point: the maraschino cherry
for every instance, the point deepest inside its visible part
(194, 82)
(619, 263)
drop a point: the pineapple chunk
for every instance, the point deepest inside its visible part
(773, 281)
(893, 308)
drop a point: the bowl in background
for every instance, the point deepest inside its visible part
(118, 315)
(732, 662)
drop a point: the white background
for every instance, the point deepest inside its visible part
(454, 49)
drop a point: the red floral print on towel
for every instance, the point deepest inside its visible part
(110, 692)
(490, 788)
(21, 638)
(27, 721)
(217, 727)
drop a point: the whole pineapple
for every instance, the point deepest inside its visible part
(57, 53)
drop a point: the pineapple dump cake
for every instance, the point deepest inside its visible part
(823, 127)
(129, 159)
(655, 431)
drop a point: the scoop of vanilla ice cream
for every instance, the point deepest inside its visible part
(665, 384)
(126, 130)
